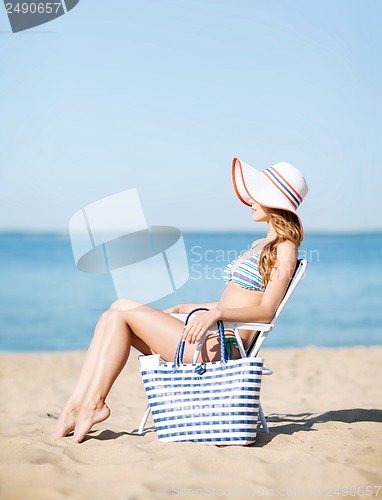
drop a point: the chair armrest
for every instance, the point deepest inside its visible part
(264, 327)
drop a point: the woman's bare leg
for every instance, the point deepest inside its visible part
(127, 324)
(66, 421)
(67, 418)
(113, 354)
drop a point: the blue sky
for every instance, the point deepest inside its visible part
(161, 95)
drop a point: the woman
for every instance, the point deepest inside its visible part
(256, 284)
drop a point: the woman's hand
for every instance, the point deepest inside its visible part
(199, 324)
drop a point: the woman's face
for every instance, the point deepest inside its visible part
(259, 213)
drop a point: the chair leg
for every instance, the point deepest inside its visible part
(263, 420)
(144, 419)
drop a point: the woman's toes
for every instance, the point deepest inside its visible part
(87, 418)
(65, 424)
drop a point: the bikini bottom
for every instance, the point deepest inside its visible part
(230, 340)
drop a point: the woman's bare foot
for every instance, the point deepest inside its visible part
(66, 421)
(87, 417)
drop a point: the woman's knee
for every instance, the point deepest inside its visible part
(124, 305)
(113, 316)
(101, 324)
(103, 319)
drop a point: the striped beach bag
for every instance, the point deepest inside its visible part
(207, 402)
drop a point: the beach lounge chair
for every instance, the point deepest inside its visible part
(262, 331)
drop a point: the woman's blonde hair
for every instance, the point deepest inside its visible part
(287, 227)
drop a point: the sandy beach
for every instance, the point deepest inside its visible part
(324, 408)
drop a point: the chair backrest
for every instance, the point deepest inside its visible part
(296, 278)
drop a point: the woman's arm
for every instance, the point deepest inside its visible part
(274, 292)
(271, 299)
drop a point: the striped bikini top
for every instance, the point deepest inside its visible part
(246, 274)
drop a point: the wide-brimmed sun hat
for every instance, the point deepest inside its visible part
(280, 186)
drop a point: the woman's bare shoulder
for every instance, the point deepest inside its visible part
(257, 242)
(287, 251)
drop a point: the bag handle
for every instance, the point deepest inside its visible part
(224, 357)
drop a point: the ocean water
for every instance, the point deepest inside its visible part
(48, 304)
